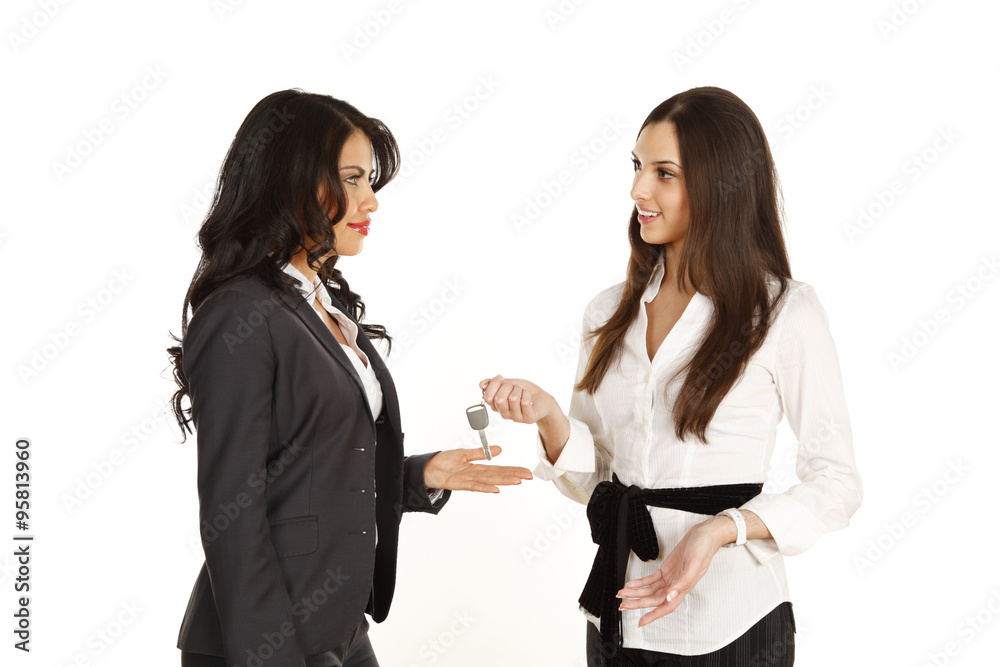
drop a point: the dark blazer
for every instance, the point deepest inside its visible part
(289, 461)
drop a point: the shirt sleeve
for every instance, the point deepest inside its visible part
(586, 459)
(230, 366)
(810, 388)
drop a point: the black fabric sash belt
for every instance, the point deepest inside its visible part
(620, 521)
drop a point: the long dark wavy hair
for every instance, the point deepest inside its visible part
(734, 245)
(266, 204)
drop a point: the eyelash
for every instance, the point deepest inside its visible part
(662, 173)
(352, 180)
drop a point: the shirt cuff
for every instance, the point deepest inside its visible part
(793, 528)
(434, 494)
(577, 456)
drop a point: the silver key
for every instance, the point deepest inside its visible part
(479, 419)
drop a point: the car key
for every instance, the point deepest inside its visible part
(479, 419)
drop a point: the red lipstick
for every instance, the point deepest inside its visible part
(360, 227)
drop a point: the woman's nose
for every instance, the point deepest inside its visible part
(640, 191)
(370, 203)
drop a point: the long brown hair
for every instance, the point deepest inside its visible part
(734, 246)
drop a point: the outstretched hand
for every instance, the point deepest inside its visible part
(454, 469)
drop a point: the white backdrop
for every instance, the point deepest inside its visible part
(882, 117)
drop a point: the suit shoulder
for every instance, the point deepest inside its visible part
(243, 296)
(243, 288)
(248, 284)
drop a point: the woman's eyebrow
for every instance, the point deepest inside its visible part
(352, 166)
(659, 161)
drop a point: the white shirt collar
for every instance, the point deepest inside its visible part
(308, 291)
(655, 278)
(699, 304)
(347, 325)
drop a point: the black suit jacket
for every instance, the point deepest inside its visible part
(289, 461)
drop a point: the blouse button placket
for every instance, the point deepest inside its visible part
(649, 396)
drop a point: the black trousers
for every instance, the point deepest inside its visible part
(355, 651)
(769, 643)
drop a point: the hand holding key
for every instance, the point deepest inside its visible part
(518, 400)
(525, 402)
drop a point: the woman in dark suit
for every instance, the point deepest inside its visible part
(301, 474)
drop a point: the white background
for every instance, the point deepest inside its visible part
(848, 100)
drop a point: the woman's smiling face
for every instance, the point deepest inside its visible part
(658, 186)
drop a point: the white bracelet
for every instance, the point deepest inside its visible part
(741, 526)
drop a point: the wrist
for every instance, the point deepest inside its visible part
(554, 430)
(431, 480)
(723, 530)
(553, 420)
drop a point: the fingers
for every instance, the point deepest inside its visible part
(506, 475)
(514, 403)
(528, 407)
(642, 597)
(477, 453)
(510, 399)
(669, 606)
(483, 484)
(652, 591)
(490, 473)
(500, 399)
(643, 602)
(510, 472)
(645, 581)
(659, 598)
(492, 385)
(641, 592)
(478, 487)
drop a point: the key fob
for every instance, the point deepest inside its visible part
(479, 418)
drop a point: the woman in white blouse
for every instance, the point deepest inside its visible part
(685, 371)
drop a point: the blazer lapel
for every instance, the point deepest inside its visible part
(330, 343)
(381, 371)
